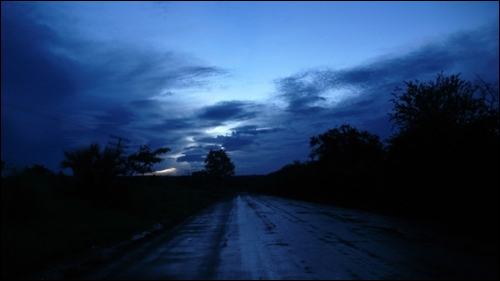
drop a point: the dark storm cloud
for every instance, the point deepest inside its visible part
(125, 73)
(245, 128)
(193, 147)
(211, 147)
(30, 72)
(192, 158)
(196, 154)
(205, 139)
(174, 124)
(235, 142)
(229, 111)
(229, 142)
(253, 130)
(241, 138)
(118, 115)
(204, 118)
(72, 91)
(42, 63)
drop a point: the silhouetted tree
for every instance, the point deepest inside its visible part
(297, 180)
(38, 169)
(95, 170)
(346, 147)
(448, 120)
(218, 165)
(199, 174)
(90, 162)
(142, 161)
(447, 141)
(350, 164)
(449, 101)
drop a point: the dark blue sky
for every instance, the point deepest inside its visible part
(258, 79)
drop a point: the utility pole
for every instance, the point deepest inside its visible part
(119, 144)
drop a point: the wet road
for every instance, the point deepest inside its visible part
(264, 237)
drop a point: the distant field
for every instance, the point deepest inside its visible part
(45, 221)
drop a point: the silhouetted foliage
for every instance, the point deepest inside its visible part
(38, 169)
(95, 171)
(299, 180)
(441, 164)
(142, 161)
(346, 165)
(448, 101)
(444, 123)
(346, 147)
(90, 162)
(445, 153)
(199, 174)
(218, 165)
(349, 161)
(25, 192)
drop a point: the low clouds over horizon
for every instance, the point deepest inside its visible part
(61, 92)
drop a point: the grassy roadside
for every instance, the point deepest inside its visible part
(45, 222)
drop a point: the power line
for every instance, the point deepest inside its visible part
(118, 145)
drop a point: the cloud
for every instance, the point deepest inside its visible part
(192, 158)
(146, 104)
(253, 130)
(321, 98)
(72, 91)
(240, 138)
(174, 124)
(362, 92)
(232, 143)
(61, 90)
(44, 63)
(196, 154)
(302, 91)
(30, 72)
(229, 111)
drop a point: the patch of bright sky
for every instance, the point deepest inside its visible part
(262, 41)
(224, 129)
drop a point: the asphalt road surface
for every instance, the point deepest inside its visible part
(264, 237)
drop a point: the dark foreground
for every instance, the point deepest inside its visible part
(264, 237)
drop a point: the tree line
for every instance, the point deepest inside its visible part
(96, 171)
(441, 163)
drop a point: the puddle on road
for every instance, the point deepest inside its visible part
(143, 234)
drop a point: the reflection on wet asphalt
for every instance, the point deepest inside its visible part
(264, 237)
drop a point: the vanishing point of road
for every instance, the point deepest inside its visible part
(265, 237)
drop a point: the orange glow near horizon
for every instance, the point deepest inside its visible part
(169, 171)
